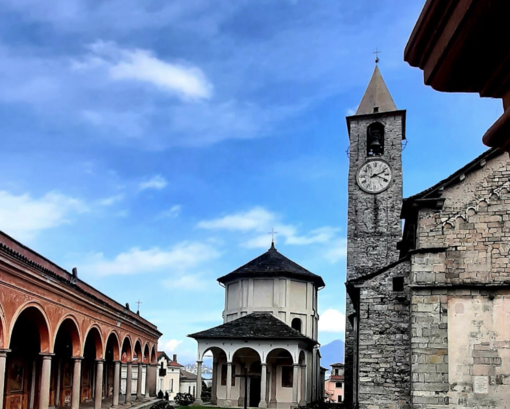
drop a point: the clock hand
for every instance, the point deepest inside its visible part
(377, 174)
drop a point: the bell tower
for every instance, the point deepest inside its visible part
(376, 132)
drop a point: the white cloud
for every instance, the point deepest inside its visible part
(109, 201)
(140, 65)
(173, 212)
(157, 182)
(337, 250)
(332, 320)
(24, 216)
(254, 219)
(137, 261)
(261, 221)
(187, 282)
(171, 345)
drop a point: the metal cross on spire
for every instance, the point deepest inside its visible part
(377, 52)
(138, 302)
(272, 233)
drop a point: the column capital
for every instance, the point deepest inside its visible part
(4, 352)
(117, 361)
(46, 355)
(296, 364)
(100, 360)
(263, 364)
(200, 362)
(77, 358)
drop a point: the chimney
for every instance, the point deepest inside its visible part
(175, 358)
(75, 272)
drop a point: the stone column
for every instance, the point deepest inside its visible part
(3, 359)
(116, 383)
(263, 385)
(302, 395)
(98, 398)
(75, 394)
(57, 390)
(198, 397)
(139, 382)
(228, 401)
(272, 401)
(242, 386)
(295, 384)
(151, 380)
(44, 392)
(214, 392)
(128, 382)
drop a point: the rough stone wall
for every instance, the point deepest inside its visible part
(374, 226)
(384, 342)
(475, 226)
(460, 354)
(429, 345)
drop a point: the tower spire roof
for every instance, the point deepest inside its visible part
(377, 98)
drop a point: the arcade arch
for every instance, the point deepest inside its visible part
(28, 364)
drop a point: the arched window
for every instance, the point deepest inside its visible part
(296, 324)
(375, 139)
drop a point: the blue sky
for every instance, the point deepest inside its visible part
(154, 144)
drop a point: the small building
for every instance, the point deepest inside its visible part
(169, 371)
(334, 386)
(188, 382)
(266, 350)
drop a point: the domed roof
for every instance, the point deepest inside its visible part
(271, 264)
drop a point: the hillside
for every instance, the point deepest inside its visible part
(332, 353)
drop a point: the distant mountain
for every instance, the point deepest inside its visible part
(332, 353)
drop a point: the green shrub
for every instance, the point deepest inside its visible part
(184, 399)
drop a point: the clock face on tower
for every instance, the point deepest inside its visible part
(374, 176)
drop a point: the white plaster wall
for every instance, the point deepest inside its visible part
(285, 298)
(185, 387)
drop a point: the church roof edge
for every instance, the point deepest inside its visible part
(435, 191)
(273, 263)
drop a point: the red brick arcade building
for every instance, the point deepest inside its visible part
(63, 343)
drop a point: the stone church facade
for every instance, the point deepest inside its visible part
(269, 334)
(428, 311)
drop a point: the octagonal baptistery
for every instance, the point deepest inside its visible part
(273, 283)
(267, 345)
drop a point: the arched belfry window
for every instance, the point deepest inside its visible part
(296, 324)
(375, 139)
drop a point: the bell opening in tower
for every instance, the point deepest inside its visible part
(375, 139)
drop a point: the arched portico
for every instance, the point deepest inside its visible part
(67, 347)
(112, 367)
(126, 369)
(28, 364)
(92, 366)
(139, 371)
(280, 364)
(252, 388)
